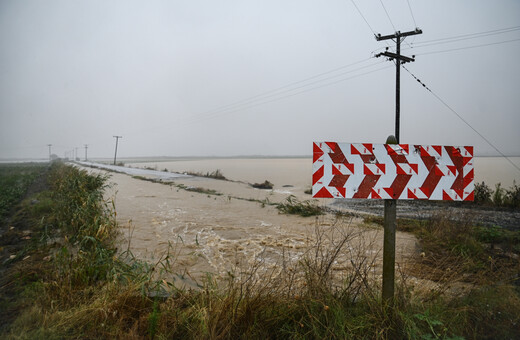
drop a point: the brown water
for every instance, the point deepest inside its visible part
(218, 234)
(298, 171)
(229, 233)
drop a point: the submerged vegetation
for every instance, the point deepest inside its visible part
(265, 185)
(68, 280)
(217, 174)
(296, 207)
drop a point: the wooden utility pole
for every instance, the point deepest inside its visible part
(390, 222)
(399, 59)
(115, 155)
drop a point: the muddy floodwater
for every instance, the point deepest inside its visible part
(298, 171)
(227, 225)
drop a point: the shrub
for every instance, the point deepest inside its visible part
(512, 196)
(265, 185)
(498, 195)
(482, 193)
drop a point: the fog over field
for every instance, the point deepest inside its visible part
(206, 78)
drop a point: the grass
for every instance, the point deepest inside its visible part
(296, 207)
(199, 190)
(455, 247)
(75, 284)
(217, 174)
(14, 182)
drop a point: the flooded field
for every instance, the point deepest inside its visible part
(298, 171)
(232, 231)
(234, 225)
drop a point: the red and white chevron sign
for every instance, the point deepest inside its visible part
(392, 171)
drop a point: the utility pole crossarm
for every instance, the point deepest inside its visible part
(399, 59)
(398, 34)
(402, 58)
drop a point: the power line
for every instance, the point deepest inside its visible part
(252, 105)
(278, 90)
(470, 47)
(462, 37)
(470, 35)
(411, 12)
(455, 39)
(366, 21)
(462, 119)
(387, 15)
(363, 17)
(263, 98)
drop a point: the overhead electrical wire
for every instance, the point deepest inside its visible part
(366, 21)
(288, 86)
(467, 36)
(411, 12)
(469, 47)
(285, 91)
(278, 93)
(387, 15)
(463, 37)
(285, 94)
(462, 119)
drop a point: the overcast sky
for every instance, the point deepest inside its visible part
(244, 77)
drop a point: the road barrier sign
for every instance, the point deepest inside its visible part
(392, 171)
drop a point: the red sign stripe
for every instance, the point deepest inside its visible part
(318, 175)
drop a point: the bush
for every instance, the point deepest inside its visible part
(512, 196)
(498, 195)
(482, 193)
(266, 185)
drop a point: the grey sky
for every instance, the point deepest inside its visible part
(156, 72)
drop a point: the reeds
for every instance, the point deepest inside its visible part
(293, 206)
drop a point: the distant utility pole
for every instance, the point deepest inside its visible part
(86, 147)
(399, 59)
(390, 222)
(49, 145)
(115, 155)
(75, 154)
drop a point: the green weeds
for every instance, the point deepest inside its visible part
(500, 197)
(14, 182)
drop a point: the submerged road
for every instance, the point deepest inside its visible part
(162, 175)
